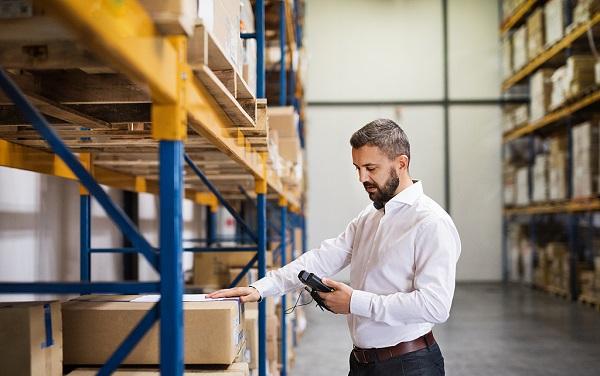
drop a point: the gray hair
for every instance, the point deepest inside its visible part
(386, 135)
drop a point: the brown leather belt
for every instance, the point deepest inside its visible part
(385, 353)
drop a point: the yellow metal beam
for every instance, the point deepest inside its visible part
(517, 16)
(559, 207)
(553, 117)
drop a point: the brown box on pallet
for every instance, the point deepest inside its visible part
(221, 18)
(507, 58)
(235, 369)
(579, 74)
(31, 339)
(251, 328)
(211, 269)
(519, 42)
(586, 156)
(535, 33)
(93, 327)
(553, 21)
(173, 16)
(540, 91)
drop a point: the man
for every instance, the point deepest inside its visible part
(402, 251)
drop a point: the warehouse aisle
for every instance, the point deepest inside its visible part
(494, 330)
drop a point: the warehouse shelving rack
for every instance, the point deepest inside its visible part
(570, 210)
(125, 36)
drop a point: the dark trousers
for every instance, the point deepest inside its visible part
(425, 362)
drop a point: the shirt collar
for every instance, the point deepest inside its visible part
(407, 196)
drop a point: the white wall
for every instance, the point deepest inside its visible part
(391, 50)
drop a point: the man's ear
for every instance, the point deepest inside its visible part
(402, 162)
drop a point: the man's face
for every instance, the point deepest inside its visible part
(377, 173)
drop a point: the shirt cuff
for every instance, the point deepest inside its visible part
(360, 303)
(264, 287)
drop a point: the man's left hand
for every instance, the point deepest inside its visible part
(339, 300)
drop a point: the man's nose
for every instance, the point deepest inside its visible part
(363, 176)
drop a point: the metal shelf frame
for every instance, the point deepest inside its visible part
(125, 36)
(572, 209)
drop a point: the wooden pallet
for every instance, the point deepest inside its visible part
(589, 300)
(98, 111)
(559, 292)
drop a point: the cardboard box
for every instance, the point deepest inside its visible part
(540, 91)
(586, 159)
(284, 120)
(519, 43)
(221, 18)
(557, 169)
(272, 336)
(31, 339)
(535, 33)
(173, 16)
(579, 74)
(584, 10)
(251, 328)
(522, 179)
(559, 88)
(93, 327)
(510, 190)
(554, 20)
(211, 269)
(235, 369)
(507, 58)
(540, 178)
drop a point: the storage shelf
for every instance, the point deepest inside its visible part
(571, 206)
(578, 32)
(554, 116)
(516, 17)
(128, 42)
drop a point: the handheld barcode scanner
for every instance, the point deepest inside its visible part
(314, 285)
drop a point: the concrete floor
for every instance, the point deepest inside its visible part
(493, 330)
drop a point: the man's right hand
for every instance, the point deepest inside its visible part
(246, 294)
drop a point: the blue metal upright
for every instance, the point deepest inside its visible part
(283, 68)
(171, 285)
(283, 249)
(259, 14)
(211, 225)
(261, 211)
(85, 229)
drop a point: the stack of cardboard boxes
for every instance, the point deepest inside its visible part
(554, 21)
(579, 74)
(585, 158)
(557, 168)
(283, 130)
(535, 33)
(540, 178)
(553, 270)
(540, 91)
(520, 48)
(515, 116)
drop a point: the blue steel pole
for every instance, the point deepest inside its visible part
(211, 225)
(283, 249)
(85, 244)
(282, 70)
(171, 273)
(293, 243)
(261, 210)
(260, 48)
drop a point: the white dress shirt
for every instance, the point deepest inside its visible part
(402, 268)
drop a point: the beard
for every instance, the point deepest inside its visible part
(384, 193)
